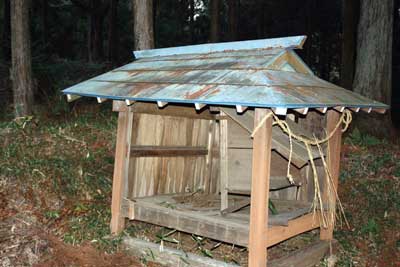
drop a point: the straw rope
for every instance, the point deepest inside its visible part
(345, 120)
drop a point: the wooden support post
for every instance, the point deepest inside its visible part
(259, 190)
(223, 155)
(333, 161)
(209, 158)
(121, 165)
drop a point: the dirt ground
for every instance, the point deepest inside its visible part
(26, 241)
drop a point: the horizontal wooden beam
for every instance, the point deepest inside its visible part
(277, 234)
(213, 226)
(306, 256)
(169, 256)
(309, 255)
(169, 110)
(380, 110)
(167, 151)
(188, 221)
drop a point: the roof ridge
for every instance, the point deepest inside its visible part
(294, 42)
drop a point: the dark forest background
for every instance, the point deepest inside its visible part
(57, 158)
(72, 40)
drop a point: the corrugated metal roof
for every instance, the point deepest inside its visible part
(237, 73)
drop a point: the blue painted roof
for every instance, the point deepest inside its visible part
(236, 73)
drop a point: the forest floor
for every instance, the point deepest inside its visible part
(55, 193)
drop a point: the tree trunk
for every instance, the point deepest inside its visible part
(21, 72)
(5, 43)
(373, 74)
(214, 21)
(233, 8)
(96, 18)
(113, 33)
(143, 24)
(350, 14)
(261, 18)
(191, 18)
(96, 11)
(45, 22)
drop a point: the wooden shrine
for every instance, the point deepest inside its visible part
(197, 149)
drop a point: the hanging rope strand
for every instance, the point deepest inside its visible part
(332, 195)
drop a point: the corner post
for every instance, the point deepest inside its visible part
(121, 165)
(223, 156)
(333, 162)
(260, 189)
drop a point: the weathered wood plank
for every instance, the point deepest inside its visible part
(163, 210)
(241, 204)
(168, 256)
(210, 154)
(167, 151)
(333, 161)
(224, 163)
(189, 221)
(239, 170)
(304, 257)
(280, 140)
(259, 190)
(308, 256)
(276, 234)
(161, 175)
(276, 183)
(120, 170)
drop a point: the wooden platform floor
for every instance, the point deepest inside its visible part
(201, 215)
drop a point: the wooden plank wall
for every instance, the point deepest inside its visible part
(240, 161)
(161, 175)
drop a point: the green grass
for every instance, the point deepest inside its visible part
(371, 196)
(68, 157)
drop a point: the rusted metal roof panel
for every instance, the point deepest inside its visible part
(234, 77)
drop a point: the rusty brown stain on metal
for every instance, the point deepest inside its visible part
(178, 73)
(140, 87)
(133, 73)
(199, 93)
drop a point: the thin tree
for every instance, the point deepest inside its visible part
(233, 19)
(45, 22)
(191, 20)
(5, 42)
(214, 20)
(143, 24)
(113, 33)
(350, 13)
(21, 69)
(373, 75)
(96, 11)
